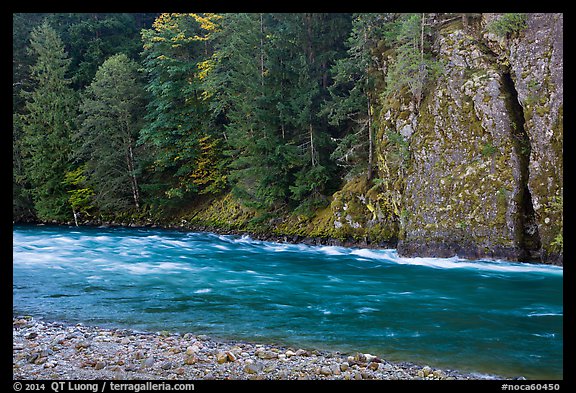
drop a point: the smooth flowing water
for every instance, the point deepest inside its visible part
(489, 317)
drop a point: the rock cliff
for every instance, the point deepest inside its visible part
(485, 169)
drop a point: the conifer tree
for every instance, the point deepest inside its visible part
(178, 132)
(352, 101)
(310, 44)
(111, 113)
(48, 119)
(241, 86)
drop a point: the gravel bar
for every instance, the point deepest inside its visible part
(56, 350)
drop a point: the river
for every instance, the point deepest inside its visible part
(488, 317)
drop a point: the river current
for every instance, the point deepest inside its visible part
(488, 317)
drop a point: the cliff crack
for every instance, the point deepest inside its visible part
(528, 236)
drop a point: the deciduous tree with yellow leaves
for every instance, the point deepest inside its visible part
(177, 53)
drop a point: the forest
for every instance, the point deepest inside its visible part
(144, 112)
(441, 133)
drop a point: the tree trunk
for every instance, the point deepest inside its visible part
(370, 139)
(261, 51)
(132, 172)
(312, 145)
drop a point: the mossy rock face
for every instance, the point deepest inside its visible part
(464, 184)
(356, 215)
(536, 61)
(535, 58)
(222, 212)
(360, 211)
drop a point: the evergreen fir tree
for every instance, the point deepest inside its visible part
(245, 96)
(177, 51)
(111, 113)
(47, 122)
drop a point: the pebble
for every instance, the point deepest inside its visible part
(82, 344)
(31, 335)
(373, 366)
(167, 365)
(253, 368)
(190, 360)
(325, 370)
(85, 352)
(221, 357)
(426, 370)
(149, 362)
(335, 369)
(99, 365)
(262, 354)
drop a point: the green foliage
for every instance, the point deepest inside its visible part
(22, 205)
(91, 38)
(176, 52)
(558, 242)
(414, 67)
(255, 161)
(210, 175)
(270, 78)
(400, 148)
(350, 104)
(48, 118)
(556, 205)
(488, 150)
(508, 24)
(81, 195)
(111, 115)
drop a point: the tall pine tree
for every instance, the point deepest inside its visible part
(112, 114)
(243, 92)
(270, 81)
(46, 124)
(306, 47)
(352, 96)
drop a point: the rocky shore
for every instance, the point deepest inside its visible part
(55, 350)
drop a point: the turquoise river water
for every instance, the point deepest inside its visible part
(488, 317)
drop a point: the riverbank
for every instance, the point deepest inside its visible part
(55, 350)
(272, 237)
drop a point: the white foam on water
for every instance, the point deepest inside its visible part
(243, 239)
(333, 250)
(203, 290)
(101, 238)
(277, 247)
(177, 243)
(370, 254)
(391, 256)
(363, 310)
(545, 314)
(142, 268)
(545, 335)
